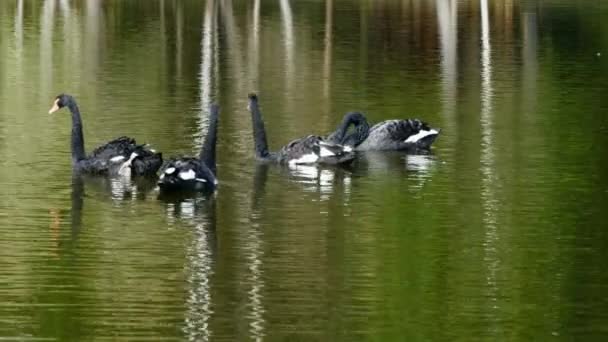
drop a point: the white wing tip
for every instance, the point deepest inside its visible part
(187, 175)
(117, 159)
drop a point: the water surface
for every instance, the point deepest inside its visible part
(499, 234)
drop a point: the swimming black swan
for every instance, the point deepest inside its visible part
(308, 150)
(119, 156)
(193, 174)
(409, 134)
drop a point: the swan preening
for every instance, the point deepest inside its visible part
(119, 156)
(190, 173)
(408, 134)
(309, 150)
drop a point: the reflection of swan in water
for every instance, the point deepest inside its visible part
(122, 188)
(200, 214)
(322, 179)
(77, 199)
(416, 167)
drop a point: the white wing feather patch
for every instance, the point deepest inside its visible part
(414, 138)
(326, 153)
(187, 175)
(117, 159)
(170, 170)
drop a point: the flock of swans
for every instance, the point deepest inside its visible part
(123, 157)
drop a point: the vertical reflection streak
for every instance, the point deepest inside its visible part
(205, 77)
(448, 34)
(19, 30)
(529, 59)
(200, 269)
(289, 41)
(19, 48)
(254, 49)
(327, 52)
(233, 40)
(46, 46)
(92, 42)
(179, 37)
(254, 258)
(488, 171)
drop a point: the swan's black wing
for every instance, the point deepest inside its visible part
(183, 174)
(147, 162)
(122, 146)
(399, 135)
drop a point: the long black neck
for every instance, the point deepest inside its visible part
(355, 138)
(337, 136)
(207, 155)
(259, 133)
(77, 136)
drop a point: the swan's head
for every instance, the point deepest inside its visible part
(61, 101)
(253, 100)
(355, 117)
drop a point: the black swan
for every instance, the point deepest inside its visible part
(409, 134)
(193, 174)
(120, 156)
(304, 151)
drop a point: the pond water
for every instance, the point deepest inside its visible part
(499, 234)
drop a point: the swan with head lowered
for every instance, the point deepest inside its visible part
(193, 173)
(408, 134)
(304, 151)
(121, 156)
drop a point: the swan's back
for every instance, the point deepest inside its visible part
(399, 134)
(122, 146)
(313, 149)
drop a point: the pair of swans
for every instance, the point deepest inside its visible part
(339, 147)
(123, 156)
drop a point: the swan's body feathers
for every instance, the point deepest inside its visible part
(312, 150)
(308, 150)
(399, 135)
(186, 173)
(122, 146)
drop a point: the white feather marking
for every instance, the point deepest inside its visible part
(125, 168)
(202, 180)
(187, 175)
(170, 170)
(347, 148)
(414, 138)
(326, 153)
(117, 159)
(152, 150)
(305, 159)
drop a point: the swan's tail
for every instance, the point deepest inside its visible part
(424, 135)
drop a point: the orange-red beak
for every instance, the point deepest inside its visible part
(55, 107)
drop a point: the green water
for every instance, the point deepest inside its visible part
(499, 234)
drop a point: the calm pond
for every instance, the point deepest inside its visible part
(500, 233)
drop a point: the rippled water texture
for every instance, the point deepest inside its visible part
(499, 234)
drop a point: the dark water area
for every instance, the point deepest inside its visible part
(499, 234)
